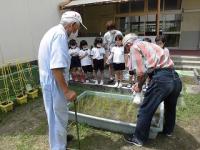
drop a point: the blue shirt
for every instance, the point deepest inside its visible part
(53, 53)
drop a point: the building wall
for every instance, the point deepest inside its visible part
(191, 4)
(23, 23)
(190, 27)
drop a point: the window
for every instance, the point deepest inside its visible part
(137, 24)
(171, 28)
(137, 6)
(132, 24)
(151, 25)
(172, 23)
(168, 4)
(152, 5)
(122, 24)
(123, 8)
(172, 4)
(131, 6)
(172, 40)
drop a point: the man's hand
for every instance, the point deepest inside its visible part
(70, 95)
(136, 88)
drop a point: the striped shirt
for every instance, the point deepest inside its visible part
(144, 56)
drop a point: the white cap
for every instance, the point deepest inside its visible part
(74, 16)
(129, 38)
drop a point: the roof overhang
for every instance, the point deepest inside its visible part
(76, 3)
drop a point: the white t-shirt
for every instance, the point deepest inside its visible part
(86, 60)
(118, 54)
(109, 38)
(74, 52)
(98, 53)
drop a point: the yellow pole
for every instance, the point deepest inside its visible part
(158, 18)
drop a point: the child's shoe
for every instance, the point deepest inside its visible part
(96, 82)
(116, 84)
(129, 85)
(120, 85)
(101, 83)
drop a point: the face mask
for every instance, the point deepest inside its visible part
(85, 48)
(98, 45)
(73, 47)
(74, 35)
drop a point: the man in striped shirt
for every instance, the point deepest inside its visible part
(149, 60)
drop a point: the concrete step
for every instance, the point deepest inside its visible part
(187, 62)
(178, 57)
(186, 67)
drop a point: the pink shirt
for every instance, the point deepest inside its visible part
(144, 55)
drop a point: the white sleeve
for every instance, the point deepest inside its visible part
(76, 51)
(80, 53)
(112, 50)
(92, 51)
(59, 56)
(71, 51)
(86, 52)
(105, 39)
(103, 50)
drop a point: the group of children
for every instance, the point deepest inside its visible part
(86, 62)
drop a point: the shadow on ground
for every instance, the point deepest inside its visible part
(181, 140)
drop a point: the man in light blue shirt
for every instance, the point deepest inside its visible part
(54, 63)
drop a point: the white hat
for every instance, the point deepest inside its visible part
(129, 38)
(74, 16)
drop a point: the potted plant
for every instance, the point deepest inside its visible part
(21, 98)
(6, 106)
(32, 92)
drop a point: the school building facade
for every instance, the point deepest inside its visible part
(179, 20)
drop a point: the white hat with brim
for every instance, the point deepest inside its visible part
(74, 16)
(129, 38)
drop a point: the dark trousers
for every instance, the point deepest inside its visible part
(165, 85)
